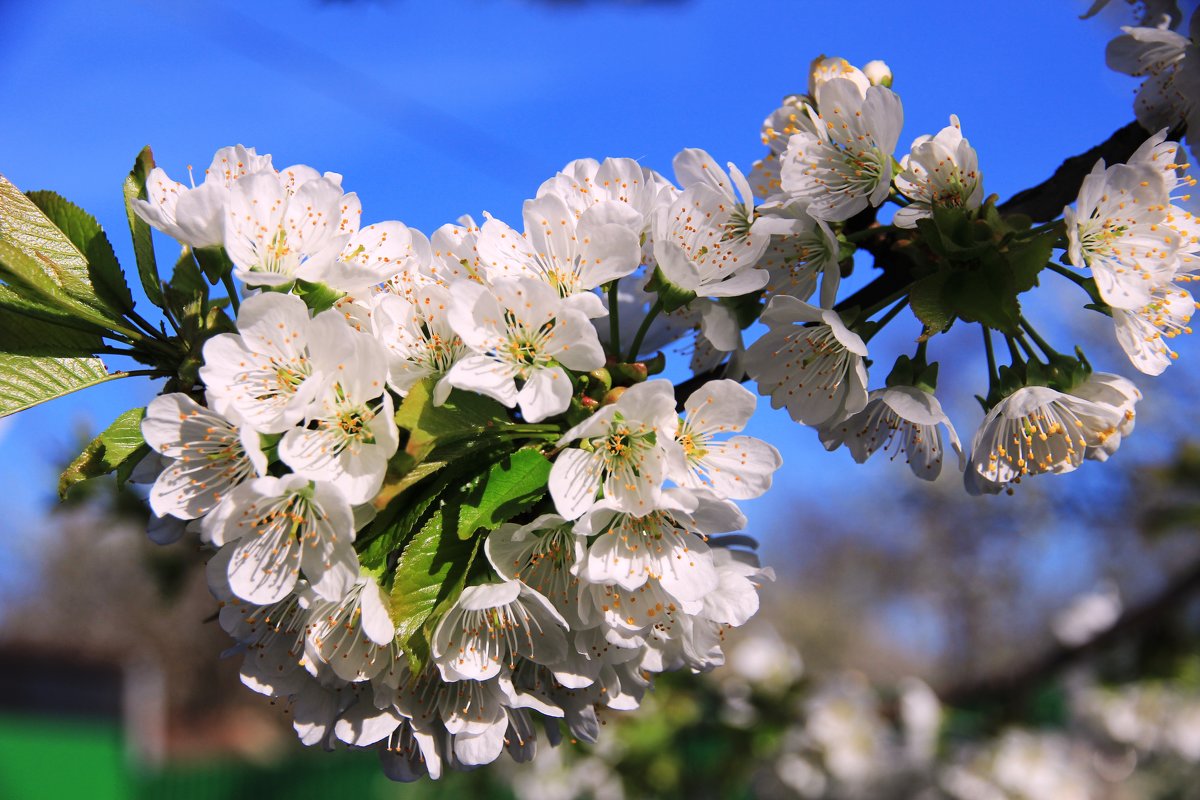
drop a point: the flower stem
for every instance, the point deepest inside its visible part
(1042, 343)
(231, 288)
(643, 329)
(614, 322)
(867, 233)
(881, 323)
(1078, 279)
(143, 323)
(993, 375)
(1013, 353)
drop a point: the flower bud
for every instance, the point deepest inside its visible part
(878, 73)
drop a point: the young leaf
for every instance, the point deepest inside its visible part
(40, 360)
(508, 488)
(431, 570)
(411, 505)
(465, 415)
(107, 452)
(38, 263)
(28, 380)
(143, 240)
(89, 239)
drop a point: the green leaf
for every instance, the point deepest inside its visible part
(419, 489)
(507, 489)
(986, 296)
(463, 417)
(40, 361)
(1027, 258)
(927, 303)
(125, 468)
(104, 271)
(143, 239)
(432, 569)
(107, 452)
(40, 264)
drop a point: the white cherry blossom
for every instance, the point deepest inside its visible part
(846, 165)
(272, 369)
(1144, 333)
(573, 255)
(541, 554)
(276, 527)
(207, 456)
(418, 336)
(520, 329)
(349, 433)
(628, 450)
(902, 420)
(274, 237)
(809, 362)
(704, 241)
(1117, 393)
(739, 467)
(491, 625)
(194, 216)
(1117, 229)
(941, 170)
(1037, 430)
(353, 634)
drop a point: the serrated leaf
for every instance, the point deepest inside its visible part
(927, 303)
(409, 505)
(1027, 258)
(985, 296)
(39, 263)
(508, 488)
(104, 271)
(431, 569)
(53, 257)
(139, 230)
(464, 416)
(107, 452)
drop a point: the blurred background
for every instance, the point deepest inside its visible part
(1058, 627)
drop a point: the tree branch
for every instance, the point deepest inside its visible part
(1012, 685)
(1045, 201)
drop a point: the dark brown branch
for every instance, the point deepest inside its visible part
(1021, 682)
(1045, 201)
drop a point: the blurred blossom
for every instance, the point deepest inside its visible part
(845, 725)
(1024, 765)
(762, 658)
(1088, 615)
(921, 713)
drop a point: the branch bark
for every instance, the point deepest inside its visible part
(1045, 201)
(1021, 682)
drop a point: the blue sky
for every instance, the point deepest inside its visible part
(435, 109)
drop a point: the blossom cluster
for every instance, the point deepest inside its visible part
(281, 462)
(301, 450)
